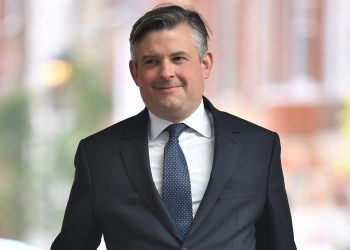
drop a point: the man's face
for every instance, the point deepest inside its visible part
(170, 73)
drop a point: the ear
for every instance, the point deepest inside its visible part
(207, 63)
(133, 71)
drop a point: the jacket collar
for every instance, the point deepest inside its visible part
(136, 160)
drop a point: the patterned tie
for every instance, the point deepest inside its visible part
(176, 181)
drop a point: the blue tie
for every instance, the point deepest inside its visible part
(176, 181)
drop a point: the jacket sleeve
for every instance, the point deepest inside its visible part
(274, 230)
(79, 230)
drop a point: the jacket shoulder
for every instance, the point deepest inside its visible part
(232, 122)
(244, 125)
(121, 129)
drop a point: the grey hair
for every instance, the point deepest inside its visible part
(167, 17)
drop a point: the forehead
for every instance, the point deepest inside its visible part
(181, 36)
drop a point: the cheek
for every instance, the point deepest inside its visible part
(146, 78)
(144, 89)
(195, 77)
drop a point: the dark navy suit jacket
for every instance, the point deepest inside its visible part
(245, 205)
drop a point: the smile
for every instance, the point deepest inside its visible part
(168, 87)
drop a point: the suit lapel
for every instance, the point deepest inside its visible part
(226, 153)
(136, 158)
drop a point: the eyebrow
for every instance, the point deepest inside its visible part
(145, 57)
(151, 56)
(179, 53)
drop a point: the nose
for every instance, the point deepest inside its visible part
(166, 70)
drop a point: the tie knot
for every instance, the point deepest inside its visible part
(176, 129)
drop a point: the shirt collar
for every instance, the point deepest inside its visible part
(199, 121)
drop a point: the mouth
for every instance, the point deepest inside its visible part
(167, 87)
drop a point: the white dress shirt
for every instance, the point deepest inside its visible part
(197, 143)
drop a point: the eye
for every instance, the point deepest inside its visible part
(150, 62)
(179, 59)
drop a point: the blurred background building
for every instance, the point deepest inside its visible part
(283, 64)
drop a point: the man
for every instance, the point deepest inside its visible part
(210, 181)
